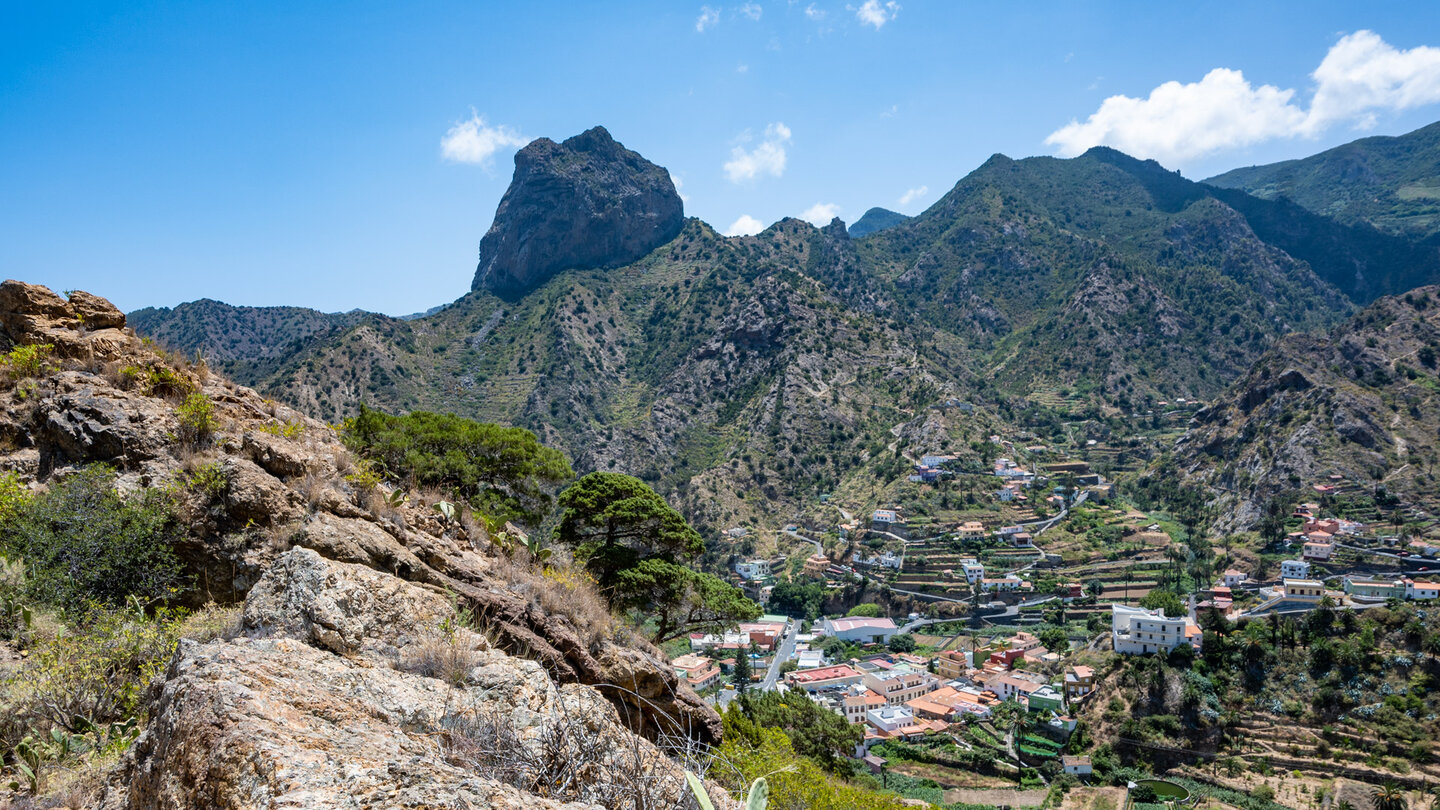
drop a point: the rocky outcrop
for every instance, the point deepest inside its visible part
(328, 700)
(280, 480)
(84, 327)
(586, 202)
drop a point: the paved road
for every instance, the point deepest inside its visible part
(782, 654)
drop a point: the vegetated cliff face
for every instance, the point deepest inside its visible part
(1363, 403)
(587, 202)
(340, 589)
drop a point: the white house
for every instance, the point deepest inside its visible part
(891, 560)
(1009, 582)
(753, 569)
(1135, 630)
(890, 718)
(898, 687)
(885, 516)
(1078, 766)
(1294, 569)
(860, 630)
(1421, 590)
(973, 568)
(1233, 578)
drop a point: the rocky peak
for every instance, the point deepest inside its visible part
(586, 202)
(82, 326)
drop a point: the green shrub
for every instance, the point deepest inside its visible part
(28, 361)
(15, 612)
(209, 480)
(197, 419)
(285, 430)
(504, 472)
(156, 380)
(86, 545)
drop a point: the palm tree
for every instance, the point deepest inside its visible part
(1389, 796)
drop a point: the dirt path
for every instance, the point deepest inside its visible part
(1014, 798)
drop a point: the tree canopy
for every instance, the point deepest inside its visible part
(637, 546)
(504, 472)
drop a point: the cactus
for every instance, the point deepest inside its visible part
(757, 799)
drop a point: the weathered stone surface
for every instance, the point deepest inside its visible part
(306, 710)
(587, 202)
(341, 607)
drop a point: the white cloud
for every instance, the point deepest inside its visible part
(746, 225)
(708, 17)
(1362, 73)
(767, 158)
(742, 68)
(875, 13)
(814, 13)
(1180, 122)
(1360, 76)
(752, 10)
(914, 194)
(474, 141)
(679, 183)
(820, 213)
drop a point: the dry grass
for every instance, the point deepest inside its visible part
(560, 589)
(443, 656)
(566, 759)
(212, 622)
(312, 487)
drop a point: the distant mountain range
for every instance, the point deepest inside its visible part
(744, 375)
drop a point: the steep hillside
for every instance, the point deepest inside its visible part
(1390, 183)
(1102, 273)
(1362, 403)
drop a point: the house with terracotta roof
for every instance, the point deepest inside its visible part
(1318, 550)
(1422, 590)
(698, 671)
(824, 678)
(1233, 578)
(857, 705)
(860, 630)
(951, 664)
(1079, 682)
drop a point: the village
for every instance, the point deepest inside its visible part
(995, 627)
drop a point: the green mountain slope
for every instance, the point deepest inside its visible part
(1362, 403)
(1392, 183)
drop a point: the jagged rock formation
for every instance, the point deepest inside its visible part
(327, 699)
(586, 202)
(373, 579)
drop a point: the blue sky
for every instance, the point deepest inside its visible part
(269, 153)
